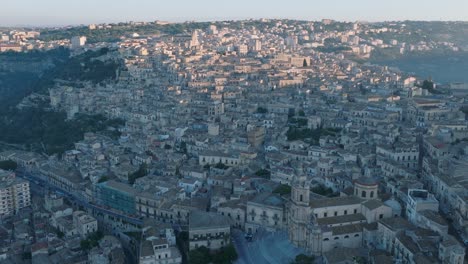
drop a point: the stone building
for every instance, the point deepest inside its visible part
(321, 225)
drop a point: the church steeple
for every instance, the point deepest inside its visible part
(300, 193)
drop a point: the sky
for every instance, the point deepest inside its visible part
(72, 12)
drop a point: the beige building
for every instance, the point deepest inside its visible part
(14, 193)
(321, 225)
(266, 211)
(84, 223)
(158, 251)
(235, 211)
(255, 135)
(210, 230)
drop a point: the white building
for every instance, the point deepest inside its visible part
(14, 193)
(210, 230)
(84, 223)
(77, 42)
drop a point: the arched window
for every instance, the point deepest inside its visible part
(371, 194)
(326, 239)
(356, 235)
(336, 238)
(363, 194)
(346, 236)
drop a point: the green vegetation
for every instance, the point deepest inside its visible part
(442, 66)
(298, 121)
(59, 233)
(322, 190)
(264, 173)
(21, 73)
(8, 165)
(429, 86)
(92, 241)
(26, 255)
(283, 189)
(117, 31)
(183, 147)
(45, 131)
(262, 110)
(85, 67)
(221, 166)
(336, 49)
(103, 179)
(303, 259)
(202, 255)
(182, 241)
(464, 109)
(38, 129)
(141, 172)
(311, 136)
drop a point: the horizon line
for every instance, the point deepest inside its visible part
(218, 20)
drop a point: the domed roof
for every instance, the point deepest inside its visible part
(395, 205)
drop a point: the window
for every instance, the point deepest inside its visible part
(336, 238)
(372, 194)
(336, 213)
(300, 198)
(326, 239)
(363, 194)
(345, 212)
(356, 235)
(355, 211)
(380, 216)
(346, 236)
(324, 214)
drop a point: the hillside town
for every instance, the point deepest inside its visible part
(269, 141)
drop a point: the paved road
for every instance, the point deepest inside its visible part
(268, 248)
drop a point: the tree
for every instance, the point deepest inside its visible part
(225, 255)
(283, 189)
(85, 245)
(428, 85)
(262, 110)
(183, 147)
(221, 166)
(60, 234)
(303, 259)
(103, 179)
(200, 255)
(141, 172)
(26, 255)
(322, 190)
(8, 165)
(263, 173)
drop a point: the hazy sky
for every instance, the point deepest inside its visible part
(66, 12)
